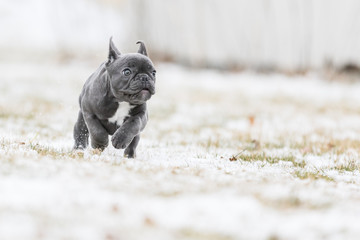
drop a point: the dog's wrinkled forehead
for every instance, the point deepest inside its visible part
(133, 60)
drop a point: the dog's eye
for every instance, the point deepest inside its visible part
(154, 73)
(127, 72)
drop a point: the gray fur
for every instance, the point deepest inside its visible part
(106, 90)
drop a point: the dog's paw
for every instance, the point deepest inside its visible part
(129, 153)
(120, 141)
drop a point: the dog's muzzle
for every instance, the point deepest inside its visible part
(145, 83)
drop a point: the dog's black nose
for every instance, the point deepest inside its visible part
(144, 78)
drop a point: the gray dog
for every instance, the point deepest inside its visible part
(113, 101)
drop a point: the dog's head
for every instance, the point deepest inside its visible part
(132, 76)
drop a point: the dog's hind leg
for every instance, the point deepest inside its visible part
(81, 133)
(98, 134)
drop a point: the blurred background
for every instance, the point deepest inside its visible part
(247, 138)
(264, 35)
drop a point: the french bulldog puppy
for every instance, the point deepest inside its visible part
(113, 101)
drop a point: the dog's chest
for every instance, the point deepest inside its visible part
(121, 113)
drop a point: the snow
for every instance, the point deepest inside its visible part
(296, 175)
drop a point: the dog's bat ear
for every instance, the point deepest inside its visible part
(114, 53)
(142, 48)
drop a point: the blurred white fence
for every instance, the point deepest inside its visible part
(43, 29)
(296, 34)
(280, 34)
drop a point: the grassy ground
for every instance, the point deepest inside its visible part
(224, 156)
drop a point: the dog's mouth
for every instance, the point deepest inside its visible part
(139, 96)
(143, 94)
(142, 91)
(145, 91)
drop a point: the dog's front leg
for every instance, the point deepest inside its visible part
(128, 131)
(130, 151)
(98, 135)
